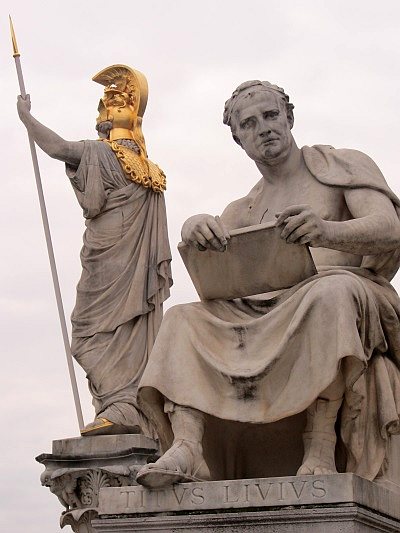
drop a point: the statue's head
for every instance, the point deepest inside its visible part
(260, 117)
(123, 105)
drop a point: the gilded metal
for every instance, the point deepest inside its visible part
(123, 104)
(103, 423)
(14, 39)
(139, 169)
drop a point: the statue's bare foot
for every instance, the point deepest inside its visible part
(314, 468)
(103, 426)
(319, 456)
(319, 438)
(183, 462)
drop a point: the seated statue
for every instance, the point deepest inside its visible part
(328, 346)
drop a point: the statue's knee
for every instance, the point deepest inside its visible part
(177, 312)
(339, 289)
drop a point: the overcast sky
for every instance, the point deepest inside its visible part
(338, 60)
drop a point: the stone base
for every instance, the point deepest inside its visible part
(78, 469)
(337, 519)
(337, 503)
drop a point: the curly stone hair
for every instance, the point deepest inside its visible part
(248, 89)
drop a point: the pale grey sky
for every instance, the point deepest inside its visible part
(338, 60)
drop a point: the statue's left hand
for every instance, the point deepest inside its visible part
(301, 225)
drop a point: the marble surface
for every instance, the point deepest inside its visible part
(251, 493)
(339, 503)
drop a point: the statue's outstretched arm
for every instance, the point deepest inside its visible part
(51, 143)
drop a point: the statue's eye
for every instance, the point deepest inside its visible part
(271, 114)
(247, 123)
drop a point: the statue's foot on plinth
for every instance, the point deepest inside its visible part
(311, 468)
(103, 426)
(183, 462)
(319, 456)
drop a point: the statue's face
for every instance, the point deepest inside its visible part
(262, 128)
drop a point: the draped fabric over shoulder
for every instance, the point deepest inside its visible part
(125, 279)
(352, 169)
(261, 359)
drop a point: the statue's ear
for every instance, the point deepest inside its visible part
(290, 117)
(236, 139)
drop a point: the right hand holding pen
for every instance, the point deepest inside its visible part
(205, 231)
(23, 106)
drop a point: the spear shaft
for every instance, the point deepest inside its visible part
(49, 244)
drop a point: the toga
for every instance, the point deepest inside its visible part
(125, 279)
(261, 359)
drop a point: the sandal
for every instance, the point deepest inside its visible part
(175, 466)
(103, 426)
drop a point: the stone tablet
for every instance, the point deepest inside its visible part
(256, 260)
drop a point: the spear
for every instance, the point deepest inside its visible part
(49, 244)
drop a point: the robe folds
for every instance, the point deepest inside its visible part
(125, 279)
(265, 358)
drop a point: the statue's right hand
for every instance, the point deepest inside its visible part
(205, 231)
(23, 106)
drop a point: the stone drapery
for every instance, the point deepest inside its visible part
(261, 359)
(125, 280)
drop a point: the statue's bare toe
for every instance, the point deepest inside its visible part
(314, 468)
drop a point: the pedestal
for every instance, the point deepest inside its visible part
(79, 468)
(331, 504)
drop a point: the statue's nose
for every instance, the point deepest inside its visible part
(265, 132)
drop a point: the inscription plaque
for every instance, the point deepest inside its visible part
(243, 493)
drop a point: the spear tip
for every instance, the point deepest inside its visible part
(13, 38)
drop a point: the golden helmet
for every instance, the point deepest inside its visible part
(124, 102)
